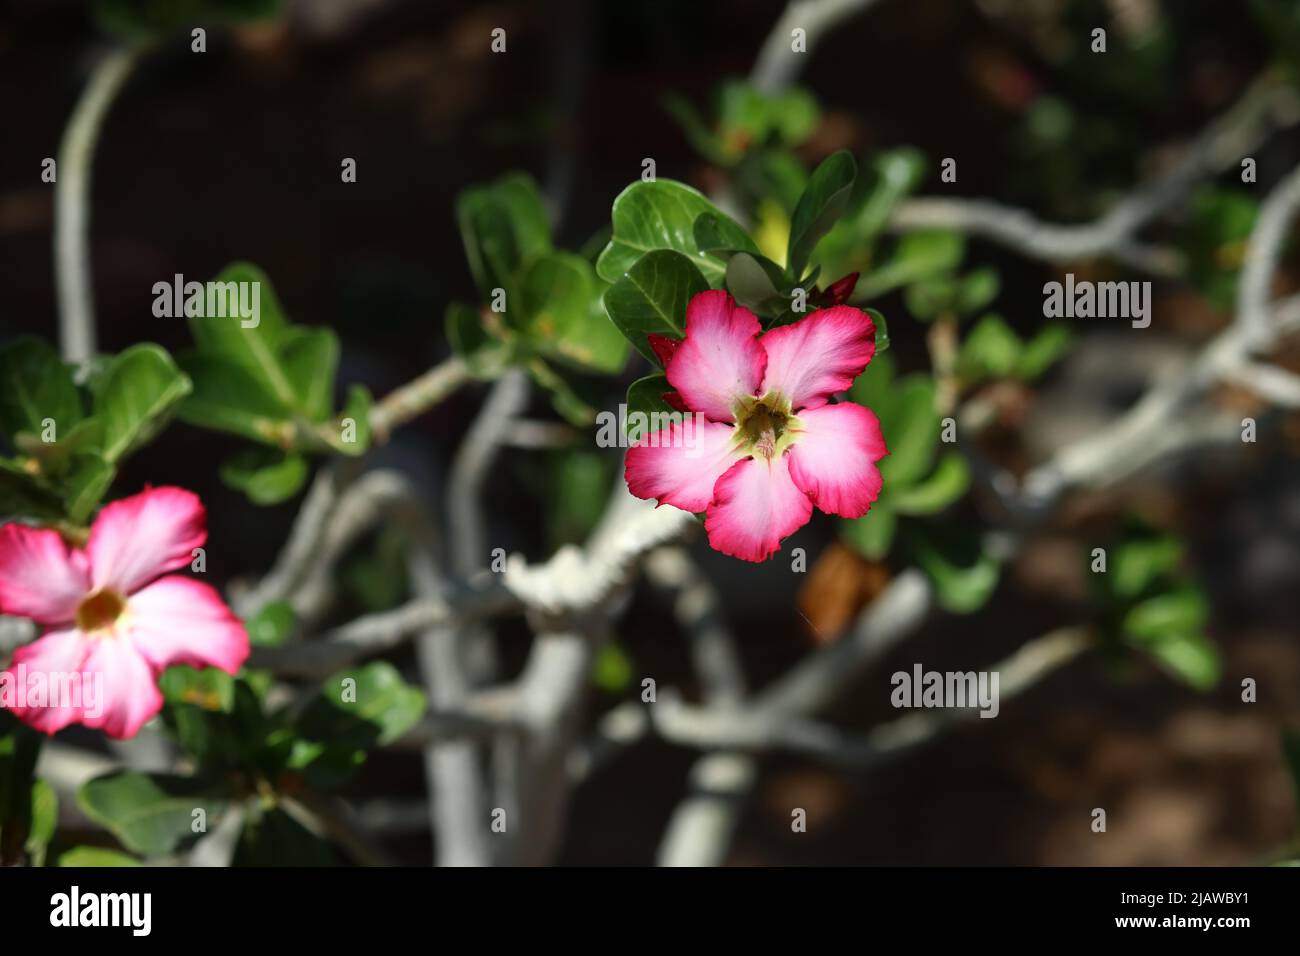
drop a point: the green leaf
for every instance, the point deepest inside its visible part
(991, 350)
(882, 331)
(564, 396)
(564, 315)
(1043, 350)
(484, 354)
(208, 688)
(151, 814)
(1187, 655)
(872, 535)
(977, 289)
(268, 476)
(22, 495)
(227, 397)
(918, 256)
(751, 282)
(1176, 613)
(720, 237)
(577, 486)
(947, 483)
(654, 215)
(311, 357)
(35, 385)
(874, 388)
(963, 574)
(44, 821)
(504, 227)
(911, 432)
(645, 397)
(652, 297)
(255, 348)
(95, 856)
(350, 432)
(85, 485)
(271, 837)
(822, 203)
(355, 710)
(272, 625)
(891, 176)
(138, 388)
(1141, 560)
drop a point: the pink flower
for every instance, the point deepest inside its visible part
(764, 445)
(110, 613)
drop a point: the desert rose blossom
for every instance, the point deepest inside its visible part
(765, 446)
(111, 609)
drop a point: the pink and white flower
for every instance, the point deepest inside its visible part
(111, 609)
(767, 445)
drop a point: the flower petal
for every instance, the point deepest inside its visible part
(57, 655)
(833, 460)
(680, 464)
(755, 505)
(40, 576)
(178, 620)
(137, 539)
(812, 359)
(127, 684)
(720, 359)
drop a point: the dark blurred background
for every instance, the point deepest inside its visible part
(235, 154)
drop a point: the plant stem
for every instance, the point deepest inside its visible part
(72, 204)
(416, 397)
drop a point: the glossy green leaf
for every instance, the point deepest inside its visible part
(504, 227)
(139, 387)
(645, 401)
(751, 282)
(652, 298)
(821, 205)
(654, 215)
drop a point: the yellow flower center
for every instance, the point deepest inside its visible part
(765, 426)
(100, 611)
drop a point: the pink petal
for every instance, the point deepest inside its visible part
(40, 576)
(720, 359)
(755, 505)
(128, 687)
(661, 466)
(142, 537)
(59, 654)
(178, 620)
(812, 359)
(834, 458)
